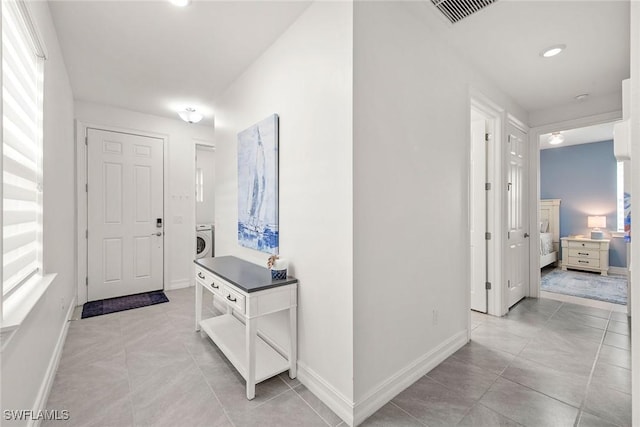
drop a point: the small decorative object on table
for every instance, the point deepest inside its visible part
(278, 267)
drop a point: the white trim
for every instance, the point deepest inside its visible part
(177, 284)
(81, 211)
(534, 185)
(496, 205)
(18, 306)
(335, 400)
(623, 271)
(47, 382)
(395, 384)
(32, 29)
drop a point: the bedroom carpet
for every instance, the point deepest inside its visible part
(586, 285)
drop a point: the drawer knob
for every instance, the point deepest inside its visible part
(583, 253)
(583, 262)
(232, 300)
(200, 275)
(214, 286)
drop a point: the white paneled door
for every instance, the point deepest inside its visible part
(517, 216)
(125, 214)
(478, 216)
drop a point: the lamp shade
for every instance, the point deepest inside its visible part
(596, 221)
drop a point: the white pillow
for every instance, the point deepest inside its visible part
(544, 226)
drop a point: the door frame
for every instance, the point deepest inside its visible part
(495, 202)
(81, 200)
(534, 184)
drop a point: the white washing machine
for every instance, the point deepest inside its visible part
(204, 240)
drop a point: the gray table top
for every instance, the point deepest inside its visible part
(247, 276)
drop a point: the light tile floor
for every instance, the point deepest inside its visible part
(548, 363)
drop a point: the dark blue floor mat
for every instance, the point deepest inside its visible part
(112, 305)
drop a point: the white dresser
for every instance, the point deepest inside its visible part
(581, 253)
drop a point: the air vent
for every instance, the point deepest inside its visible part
(456, 10)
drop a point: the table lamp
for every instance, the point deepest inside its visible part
(595, 223)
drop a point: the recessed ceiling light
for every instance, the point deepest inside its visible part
(582, 97)
(556, 138)
(181, 3)
(553, 50)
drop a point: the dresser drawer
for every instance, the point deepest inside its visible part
(584, 245)
(234, 299)
(584, 262)
(584, 253)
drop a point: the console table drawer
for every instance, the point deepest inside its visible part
(234, 299)
(585, 262)
(584, 245)
(584, 253)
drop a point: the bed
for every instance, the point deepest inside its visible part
(549, 231)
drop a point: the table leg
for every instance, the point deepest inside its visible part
(198, 304)
(250, 343)
(293, 343)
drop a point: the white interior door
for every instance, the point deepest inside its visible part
(125, 214)
(517, 269)
(478, 216)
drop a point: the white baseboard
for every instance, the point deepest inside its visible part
(178, 284)
(47, 383)
(619, 270)
(331, 397)
(392, 386)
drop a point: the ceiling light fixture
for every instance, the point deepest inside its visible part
(180, 3)
(190, 115)
(553, 50)
(556, 138)
(582, 97)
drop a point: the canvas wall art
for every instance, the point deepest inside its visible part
(258, 186)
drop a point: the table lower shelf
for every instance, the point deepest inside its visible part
(228, 333)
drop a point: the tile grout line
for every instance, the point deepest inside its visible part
(593, 368)
(396, 405)
(499, 375)
(312, 408)
(224, 410)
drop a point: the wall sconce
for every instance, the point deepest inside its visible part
(596, 222)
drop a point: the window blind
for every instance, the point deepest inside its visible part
(22, 83)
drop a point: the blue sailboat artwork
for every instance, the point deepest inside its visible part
(258, 186)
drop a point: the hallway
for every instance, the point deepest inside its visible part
(546, 363)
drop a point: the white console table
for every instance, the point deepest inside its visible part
(248, 290)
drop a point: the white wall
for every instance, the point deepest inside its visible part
(26, 360)
(593, 106)
(180, 218)
(411, 157)
(306, 78)
(206, 161)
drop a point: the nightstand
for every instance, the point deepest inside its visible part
(581, 253)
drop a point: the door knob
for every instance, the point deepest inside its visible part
(159, 233)
(526, 235)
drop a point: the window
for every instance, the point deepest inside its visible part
(22, 92)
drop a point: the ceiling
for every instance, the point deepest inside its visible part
(504, 40)
(153, 57)
(583, 135)
(156, 58)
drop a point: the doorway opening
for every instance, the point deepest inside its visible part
(592, 252)
(205, 200)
